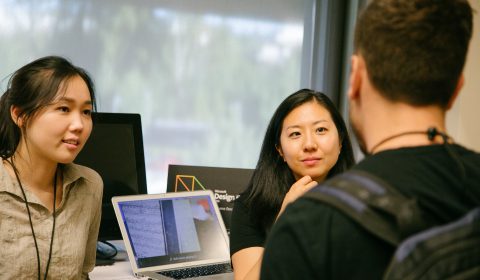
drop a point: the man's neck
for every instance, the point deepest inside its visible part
(387, 126)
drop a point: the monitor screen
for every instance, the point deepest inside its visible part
(115, 151)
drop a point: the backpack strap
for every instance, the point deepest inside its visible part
(373, 203)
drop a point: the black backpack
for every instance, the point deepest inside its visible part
(424, 251)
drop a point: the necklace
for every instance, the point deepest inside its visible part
(430, 132)
(30, 219)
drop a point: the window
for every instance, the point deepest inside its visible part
(205, 76)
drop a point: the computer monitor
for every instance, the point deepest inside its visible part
(115, 151)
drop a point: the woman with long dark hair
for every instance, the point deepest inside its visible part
(305, 143)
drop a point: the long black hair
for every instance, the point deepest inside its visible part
(31, 88)
(272, 177)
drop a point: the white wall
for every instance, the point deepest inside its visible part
(463, 121)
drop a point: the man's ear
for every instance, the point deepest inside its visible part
(355, 80)
(15, 115)
(461, 81)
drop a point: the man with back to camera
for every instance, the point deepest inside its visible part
(406, 72)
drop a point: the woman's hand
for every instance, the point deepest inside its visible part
(300, 187)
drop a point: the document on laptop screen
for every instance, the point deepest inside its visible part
(167, 231)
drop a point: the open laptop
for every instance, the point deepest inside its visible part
(177, 235)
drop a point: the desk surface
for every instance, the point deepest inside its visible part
(119, 270)
(122, 270)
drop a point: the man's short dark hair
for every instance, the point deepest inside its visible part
(415, 50)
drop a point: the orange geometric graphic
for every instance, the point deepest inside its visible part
(184, 180)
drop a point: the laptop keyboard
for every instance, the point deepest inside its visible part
(197, 271)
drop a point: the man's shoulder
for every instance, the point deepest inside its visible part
(330, 237)
(315, 222)
(436, 167)
(310, 213)
(305, 207)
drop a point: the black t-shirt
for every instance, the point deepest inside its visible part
(244, 233)
(312, 240)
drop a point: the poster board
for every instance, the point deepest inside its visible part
(226, 184)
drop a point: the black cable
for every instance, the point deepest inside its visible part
(53, 226)
(399, 135)
(30, 220)
(432, 132)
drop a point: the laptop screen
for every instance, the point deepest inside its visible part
(170, 230)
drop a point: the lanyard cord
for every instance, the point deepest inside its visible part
(30, 220)
(431, 133)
